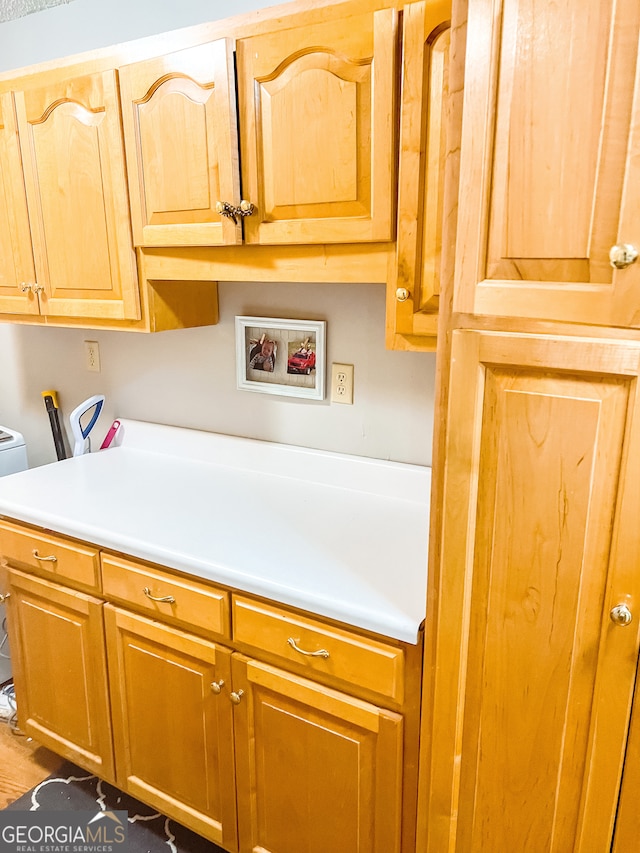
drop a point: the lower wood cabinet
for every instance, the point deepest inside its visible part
(60, 670)
(314, 769)
(172, 728)
(242, 751)
(317, 770)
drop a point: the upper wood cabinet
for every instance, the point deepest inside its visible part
(415, 271)
(74, 217)
(302, 123)
(550, 172)
(73, 160)
(179, 119)
(317, 129)
(16, 258)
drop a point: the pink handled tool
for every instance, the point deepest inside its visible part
(111, 434)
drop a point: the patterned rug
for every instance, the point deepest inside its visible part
(73, 789)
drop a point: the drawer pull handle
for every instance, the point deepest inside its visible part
(321, 653)
(51, 559)
(236, 698)
(168, 598)
(216, 686)
(4, 598)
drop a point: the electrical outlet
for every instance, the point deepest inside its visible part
(92, 356)
(342, 383)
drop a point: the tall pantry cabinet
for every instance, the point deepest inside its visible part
(530, 677)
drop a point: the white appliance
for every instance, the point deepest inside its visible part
(13, 458)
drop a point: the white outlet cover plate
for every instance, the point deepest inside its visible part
(342, 391)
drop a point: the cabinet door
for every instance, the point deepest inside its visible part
(317, 770)
(550, 170)
(414, 281)
(317, 131)
(73, 160)
(57, 647)
(172, 732)
(534, 683)
(179, 117)
(628, 817)
(17, 274)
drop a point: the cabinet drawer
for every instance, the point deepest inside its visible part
(53, 556)
(321, 648)
(188, 602)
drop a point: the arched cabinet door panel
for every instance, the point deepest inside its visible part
(73, 161)
(317, 131)
(17, 274)
(179, 118)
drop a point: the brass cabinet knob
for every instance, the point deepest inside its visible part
(235, 212)
(36, 288)
(621, 615)
(623, 255)
(402, 294)
(236, 698)
(216, 686)
(4, 597)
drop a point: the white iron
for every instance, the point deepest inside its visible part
(82, 442)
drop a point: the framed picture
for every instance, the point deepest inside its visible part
(285, 357)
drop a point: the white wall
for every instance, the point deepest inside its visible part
(187, 377)
(91, 24)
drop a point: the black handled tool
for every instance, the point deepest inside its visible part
(51, 404)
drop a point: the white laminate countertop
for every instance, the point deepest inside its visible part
(341, 536)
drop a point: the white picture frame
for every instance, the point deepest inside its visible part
(279, 356)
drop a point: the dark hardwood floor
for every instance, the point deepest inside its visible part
(22, 764)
